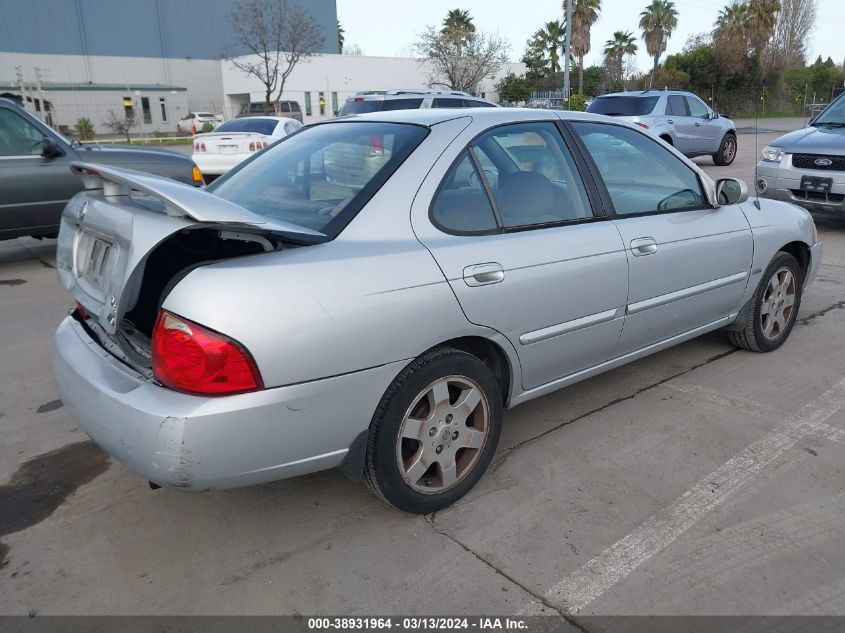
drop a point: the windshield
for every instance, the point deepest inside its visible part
(320, 177)
(834, 114)
(256, 126)
(623, 106)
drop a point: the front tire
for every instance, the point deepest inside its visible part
(773, 309)
(434, 432)
(727, 151)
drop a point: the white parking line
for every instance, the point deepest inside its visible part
(615, 563)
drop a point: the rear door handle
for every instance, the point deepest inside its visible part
(698, 125)
(484, 274)
(670, 122)
(643, 246)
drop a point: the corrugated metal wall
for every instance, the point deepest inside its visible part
(196, 29)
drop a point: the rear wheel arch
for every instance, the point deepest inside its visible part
(491, 354)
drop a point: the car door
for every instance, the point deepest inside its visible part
(688, 263)
(708, 133)
(511, 224)
(33, 188)
(678, 118)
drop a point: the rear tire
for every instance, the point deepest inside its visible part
(727, 151)
(771, 314)
(434, 432)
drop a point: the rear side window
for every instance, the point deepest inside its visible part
(462, 205)
(359, 107)
(400, 104)
(676, 105)
(641, 176)
(527, 170)
(479, 104)
(447, 102)
(623, 105)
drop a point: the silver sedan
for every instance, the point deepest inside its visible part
(371, 293)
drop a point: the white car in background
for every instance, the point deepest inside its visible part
(234, 141)
(194, 121)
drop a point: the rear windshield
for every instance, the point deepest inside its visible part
(378, 105)
(320, 177)
(623, 106)
(256, 126)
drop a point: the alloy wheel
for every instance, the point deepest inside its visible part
(443, 434)
(778, 304)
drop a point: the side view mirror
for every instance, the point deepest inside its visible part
(50, 149)
(731, 191)
(714, 115)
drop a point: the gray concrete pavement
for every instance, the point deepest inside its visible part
(702, 480)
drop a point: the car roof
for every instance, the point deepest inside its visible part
(645, 93)
(268, 117)
(492, 116)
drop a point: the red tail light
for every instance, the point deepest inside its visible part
(257, 146)
(642, 125)
(199, 147)
(190, 358)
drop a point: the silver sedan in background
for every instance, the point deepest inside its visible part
(371, 293)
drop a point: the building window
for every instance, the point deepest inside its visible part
(322, 97)
(163, 105)
(334, 103)
(307, 104)
(145, 109)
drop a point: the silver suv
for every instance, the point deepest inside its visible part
(807, 166)
(410, 99)
(678, 117)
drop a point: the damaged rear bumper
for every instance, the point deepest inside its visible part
(200, 443)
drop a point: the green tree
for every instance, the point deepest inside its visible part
(458, 26)
(584, 15)
(84, 129)
(514, 89)
(341, 37)
(657, 22)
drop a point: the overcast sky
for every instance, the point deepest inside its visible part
(388, 27)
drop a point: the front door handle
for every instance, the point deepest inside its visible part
(643, 246)
(484, 274)
(670, 122)
(698, 125)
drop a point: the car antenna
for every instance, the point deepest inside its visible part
(757, 149)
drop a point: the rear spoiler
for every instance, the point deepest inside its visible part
(179, 200)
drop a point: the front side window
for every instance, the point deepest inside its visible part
(529, 173)
(18, 137)
(697, 108)
(322, 176)
(640, 175)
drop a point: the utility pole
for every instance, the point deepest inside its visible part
(23, 86)
(567, 53)
(42, 114)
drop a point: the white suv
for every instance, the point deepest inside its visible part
(380, 101)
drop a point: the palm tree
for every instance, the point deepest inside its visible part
(657, 21)
(584, 15)
(458, 23)
(733, 20)
(623, 43)
(340, 37)
(762, 16)
(552, 38)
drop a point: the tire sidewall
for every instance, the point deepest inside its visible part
(392, 411)
(719, 157)
(780, 261)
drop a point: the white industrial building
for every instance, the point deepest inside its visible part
(322, 84)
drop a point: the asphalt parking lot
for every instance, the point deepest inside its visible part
(702, 480)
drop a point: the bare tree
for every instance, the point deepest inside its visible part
(461, 62)
(119, 125)
(795, 21)
(352, 49)
(277, 37)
